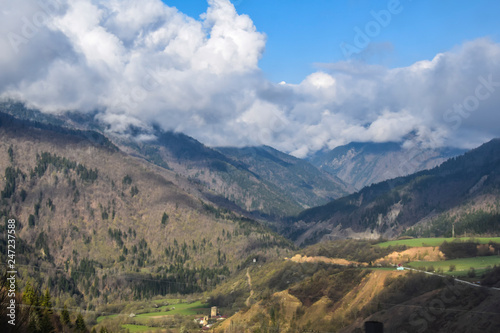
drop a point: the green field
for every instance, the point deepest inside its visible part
(462, 264)
(100, 318)
(184, 309)
(419, 242)
(168, 300)
(139, 328)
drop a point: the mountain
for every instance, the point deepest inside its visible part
(297, 178)
(463, 191)
(259, 180)
(364, 163)
(229, 178)
(226, 182)
(97, 225)
(112, 224)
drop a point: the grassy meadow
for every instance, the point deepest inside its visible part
(461, 264)
(147, 320)
(421, 242)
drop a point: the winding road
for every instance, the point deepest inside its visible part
(457, 280)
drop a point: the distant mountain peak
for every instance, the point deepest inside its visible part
(360, 164)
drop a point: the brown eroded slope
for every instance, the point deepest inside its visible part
(414, 254)
(316, 259)
(251, 319)
(322, 314)
(371, 285)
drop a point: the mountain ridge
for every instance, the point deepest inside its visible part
(390, 207)
(224, 179)
(82, 205)
(361, 164)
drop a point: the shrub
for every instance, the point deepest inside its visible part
(457, 249)
(31, 220)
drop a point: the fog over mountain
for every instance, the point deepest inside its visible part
(145, 63)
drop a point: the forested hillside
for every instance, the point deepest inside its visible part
(464, 191)
(95, 225)
(261, 182)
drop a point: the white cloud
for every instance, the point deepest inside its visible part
(144, 62)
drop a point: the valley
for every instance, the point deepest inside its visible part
(119, 235)
(231, 166)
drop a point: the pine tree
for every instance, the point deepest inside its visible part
(65, 316)
(30, 295)
(164, 219)
(11, 154)
(31, 220)
(46, 323)
(46, 301)
(80, 324)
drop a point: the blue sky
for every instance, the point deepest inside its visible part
(302, 33)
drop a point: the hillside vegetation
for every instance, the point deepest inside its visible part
(110, 230)
(95, 225)
(464, 191)
(260, 180)
(318, 296)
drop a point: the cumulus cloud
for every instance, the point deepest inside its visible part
(139, 63)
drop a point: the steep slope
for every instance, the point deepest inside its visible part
(449, 306)
(468, 184)
(259, 182)
(361, 164)
(101, 225)
(295, 177)
(225, 181)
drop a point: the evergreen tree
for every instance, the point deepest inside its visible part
(46, 323)
(30, 295)
(23, 194)
(65, 316)
(46, 301)
(11, 154)
(31, 220)
(164, 219)
(134, 191)
(80, 324)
